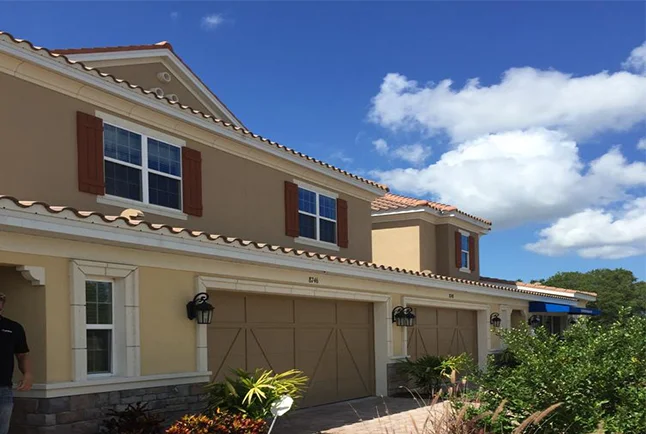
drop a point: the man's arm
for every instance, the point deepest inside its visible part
(24, 364)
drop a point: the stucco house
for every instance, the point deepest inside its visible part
(127, 188)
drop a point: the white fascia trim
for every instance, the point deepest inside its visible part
(112, 384)
(168, 55)
(547, 291)
(140, 129)
(93, 228)
(485, 228)
(418, 301)
(44, 60)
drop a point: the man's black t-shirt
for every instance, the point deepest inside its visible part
(12, 342)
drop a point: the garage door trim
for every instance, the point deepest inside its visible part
(483, 311)
(382, 305)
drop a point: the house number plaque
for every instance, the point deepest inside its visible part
(313, 279)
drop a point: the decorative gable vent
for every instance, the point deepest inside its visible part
(158, 91)
(164, 77)
(172, 97)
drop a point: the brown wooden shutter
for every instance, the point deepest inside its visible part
(342, 223)
(292, 227)
(458, 249)
(192, 181)
(473, 257)
(89, 139)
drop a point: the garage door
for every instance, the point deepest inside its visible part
(442, 332)
(331, 341)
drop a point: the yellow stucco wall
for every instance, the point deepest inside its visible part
(396, 244)
(167, 336)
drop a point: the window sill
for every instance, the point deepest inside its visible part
(145, 207)
(465, 270)
(316, 243)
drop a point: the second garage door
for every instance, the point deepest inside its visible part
(330, 340)
(443, 332)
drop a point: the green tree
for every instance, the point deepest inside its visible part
(615, 289)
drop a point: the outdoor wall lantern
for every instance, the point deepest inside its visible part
(495, 320)
(534, 321)
(200, 309)
(404, 316)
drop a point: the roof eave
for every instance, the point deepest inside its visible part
(483, 227)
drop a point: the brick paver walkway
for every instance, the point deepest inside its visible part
(372, 415)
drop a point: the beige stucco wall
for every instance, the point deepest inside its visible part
(145, 75)
(241, 198)
(428, 246)
(167, 336)
(166, 283)
(396, 244)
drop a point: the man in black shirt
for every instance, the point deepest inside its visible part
(13, 343)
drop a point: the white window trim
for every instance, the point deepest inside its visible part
(318, 242)
(126, 352)
(109, 199)
(145, 133)
(467, 268)
(114, 362)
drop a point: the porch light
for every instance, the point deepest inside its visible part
(534, 321)
(200, 309)
(495, 320)
(403, 316)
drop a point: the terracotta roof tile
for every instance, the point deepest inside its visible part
(392, 201)
(535, 285)
(145, 226)
(135, 88)
(158, 46)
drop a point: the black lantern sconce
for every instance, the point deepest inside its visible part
(200, 309)
(495, 320)
(404, 316)
(534, 321)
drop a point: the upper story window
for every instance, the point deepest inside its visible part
(465, 253)
(142, 168)
(317, 216)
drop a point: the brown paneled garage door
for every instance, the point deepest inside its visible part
(442, 332)
(330, 340)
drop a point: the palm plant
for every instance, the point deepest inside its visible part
(252, 393)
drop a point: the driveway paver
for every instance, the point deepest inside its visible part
(373, 415)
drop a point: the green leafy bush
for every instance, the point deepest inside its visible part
(218, 423)
(135, 419)
(430, 373)
(596, 371)
(252, 393)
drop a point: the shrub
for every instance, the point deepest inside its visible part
(429, 373)
(253, 393)
(597, 372)
(135, 419)
(219, 423)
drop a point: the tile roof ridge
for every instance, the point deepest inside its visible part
(267, 247)
(193, 111)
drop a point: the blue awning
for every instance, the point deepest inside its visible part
(542, 307)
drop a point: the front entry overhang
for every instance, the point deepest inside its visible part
(543, 307)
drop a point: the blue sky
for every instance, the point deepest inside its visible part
(545, 143)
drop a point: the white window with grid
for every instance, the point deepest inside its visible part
(141, 165)
(317, 215)
(99, 322)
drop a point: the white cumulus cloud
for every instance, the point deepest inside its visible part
(415, 154)
(597, 233)
(642, 144)
(381, 146)
(524, 98)
(637, 59)
(210, 22)
(516, 177)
